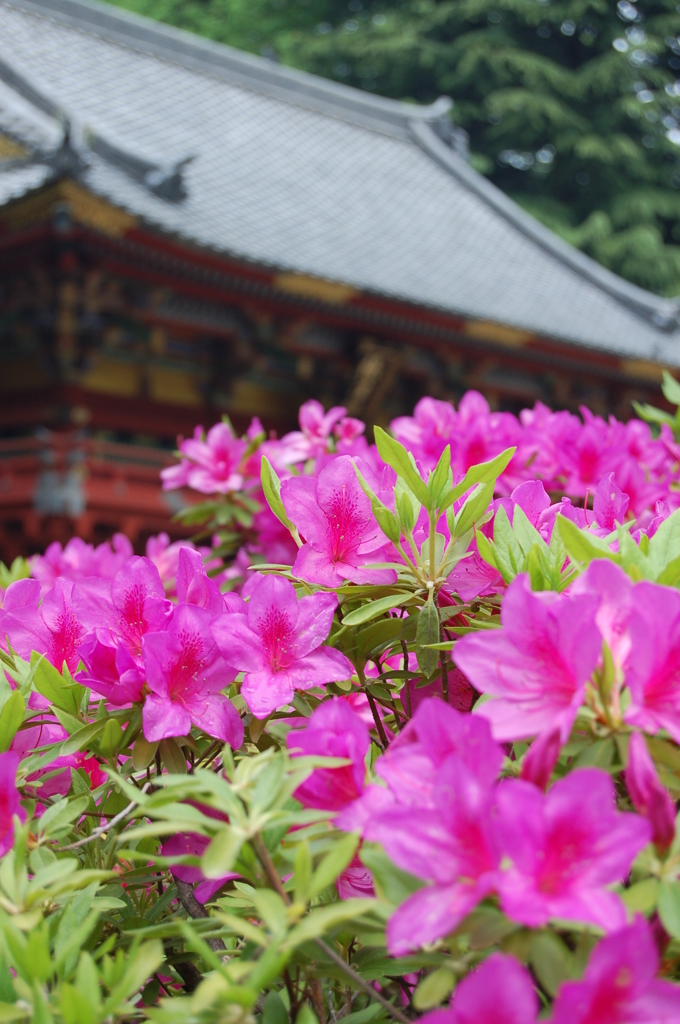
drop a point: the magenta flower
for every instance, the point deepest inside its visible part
(652, 666)
(610, 504)
(194, 586)
(650, 797)
(499, 991)
(311, 440)
(185, 673)
(51, 628)
(79, 559)
(334, 517)
(194, 845)
(450, 846)
(9, 800)
(333, 730)
(537, 665)
(559, 851)
(211, 466)
(117, 614)
(278, 644)
(541, 758)
(355, 882)
(620, 985)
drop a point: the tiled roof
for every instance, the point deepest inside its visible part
(301, 174)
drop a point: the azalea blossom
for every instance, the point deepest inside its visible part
(194, 845)
(499, 991)
(650, 797)
(334, 517)
(277, 641)
(185, 673)
(333, 730)
(117, 614)
(51, 627)
(210, 466)
(652, 666)
(536, 667)
(619, 985)
(9, 800)
(561, 850)
(79, 559)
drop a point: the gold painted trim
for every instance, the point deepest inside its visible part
(500, 334)
(84, 207)
(314, 288)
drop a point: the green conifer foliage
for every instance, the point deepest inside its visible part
(572, 106)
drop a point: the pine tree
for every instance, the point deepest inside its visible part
(572, 106)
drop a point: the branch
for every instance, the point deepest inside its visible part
(275, 881)
(103, 829)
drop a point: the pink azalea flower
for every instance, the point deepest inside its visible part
(499, 991)
(165, 556)
(79, 559)
(311, 440)
(650, 797)
(620, 985)
(277, 641)
(610, 504)
(614, 591)
(194, 845)
(537, 665)
(194, 586)
(410, 767)
(450, 845)
(117, 614)
(211, 466)
(559, 851)
(355, 882)
(541, 758)
(51, 628)
(652, 666)
(333, 730)
(9, 800)
(334, 517)
(185, 673)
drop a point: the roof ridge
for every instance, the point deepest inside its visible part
(661, 313)
(259, 74)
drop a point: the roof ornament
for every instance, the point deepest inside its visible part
(69, 158)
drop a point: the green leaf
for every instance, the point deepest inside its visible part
(82, 738)
(474, 508)
(373, 609)
(427, 632)
(302, 872)
(551, 960)
(486, 549)
(222, 852)
(60, 814)
(483, 472)
(112, 738)
(271, 485)
(434, 988)
(11, 717)
(396, 456)
(334, 863)
(143, 753)
(439, 477)
(173, 757)
(669, 907)
(54, 687)
(641, 898)
(507, 553)
(664, 546)
(670, 388)
(319, 921)
(581, 546)
(273, 1010)
(271, 909)
(386, 520)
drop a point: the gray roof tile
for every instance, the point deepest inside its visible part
(305, 175)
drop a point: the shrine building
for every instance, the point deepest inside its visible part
(187, 230)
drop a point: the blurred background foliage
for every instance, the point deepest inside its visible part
(572, 107)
